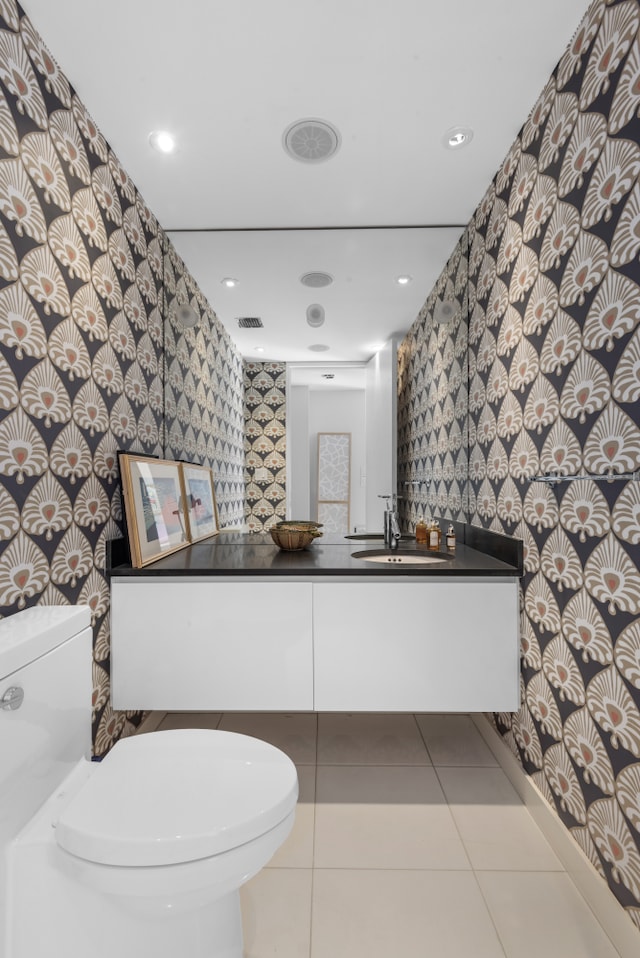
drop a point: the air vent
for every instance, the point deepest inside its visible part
(250, 322)
(316, 280)
(311, 141)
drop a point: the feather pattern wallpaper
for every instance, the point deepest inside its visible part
(265, 443)
(553, 317)
(90, 355)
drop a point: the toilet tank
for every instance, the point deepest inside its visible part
(45, 674)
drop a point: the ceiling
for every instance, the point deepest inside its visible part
(227, 78)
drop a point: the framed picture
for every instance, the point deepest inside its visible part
(334, 481)
(154, 510)
(200, 501)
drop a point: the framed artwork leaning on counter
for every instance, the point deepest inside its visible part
(200, 501)
(154, 507)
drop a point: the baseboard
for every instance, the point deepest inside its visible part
(602, 902)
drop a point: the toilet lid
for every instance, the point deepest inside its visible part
(177, 796)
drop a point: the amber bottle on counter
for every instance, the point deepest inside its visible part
(421, 531)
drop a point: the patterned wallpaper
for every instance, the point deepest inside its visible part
(265, 444)
(554, 369)
(83, 270)
(204, 419)
(433, 404)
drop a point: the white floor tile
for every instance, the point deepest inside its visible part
(497, 830)
(384, 817)
(189, 720)
(454, 740)
(542, 913)
(297, 851)
(276, 914)
(384, 847)
(370, 739)
(400, 914)
(294, 733)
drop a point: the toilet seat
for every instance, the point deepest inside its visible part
(177, 796)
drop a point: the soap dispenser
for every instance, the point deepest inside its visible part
(421, 531)
(435, 536)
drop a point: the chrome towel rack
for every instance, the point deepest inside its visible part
(554, 477)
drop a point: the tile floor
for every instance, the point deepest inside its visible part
(409, 842)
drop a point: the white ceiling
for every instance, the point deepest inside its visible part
(229, 77)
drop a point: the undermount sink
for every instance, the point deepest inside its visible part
(401, 556)
(373, 535)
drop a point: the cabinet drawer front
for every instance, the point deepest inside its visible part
(211, 645)
(435, 646)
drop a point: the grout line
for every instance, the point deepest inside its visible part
(424, 741)
(453, 819)
(313, 836)
(313, 878)
(490, 913)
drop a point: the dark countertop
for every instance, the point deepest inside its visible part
(245, 554)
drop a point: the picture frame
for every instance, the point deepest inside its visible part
(154, 507)
(334, 481)
(201, 508)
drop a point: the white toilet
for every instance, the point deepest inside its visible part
(141, 854)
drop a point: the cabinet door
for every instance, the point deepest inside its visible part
(433, 646)
(199, 644)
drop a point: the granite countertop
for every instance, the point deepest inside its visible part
(233, 553)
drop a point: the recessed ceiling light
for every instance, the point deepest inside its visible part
(376, 347)
(163, 141)
(319, 348)
(403, 280)
(259, 349)
(229, 282)
(457, 137)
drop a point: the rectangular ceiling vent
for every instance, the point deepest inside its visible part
(249, 322)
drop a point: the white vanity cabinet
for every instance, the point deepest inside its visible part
(195, 643)
(440, 645)
(406, 645)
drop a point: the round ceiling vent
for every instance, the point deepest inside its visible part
(311, 141)
(316, 279)
(315, 315)
(318, 348)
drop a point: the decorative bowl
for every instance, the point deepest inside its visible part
(291, 536)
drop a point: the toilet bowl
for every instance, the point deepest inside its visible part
(142, 853)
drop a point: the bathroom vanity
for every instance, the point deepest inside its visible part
(234, 624)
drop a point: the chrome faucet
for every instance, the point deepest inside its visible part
(392, 532)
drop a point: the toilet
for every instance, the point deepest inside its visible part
(141, 854)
